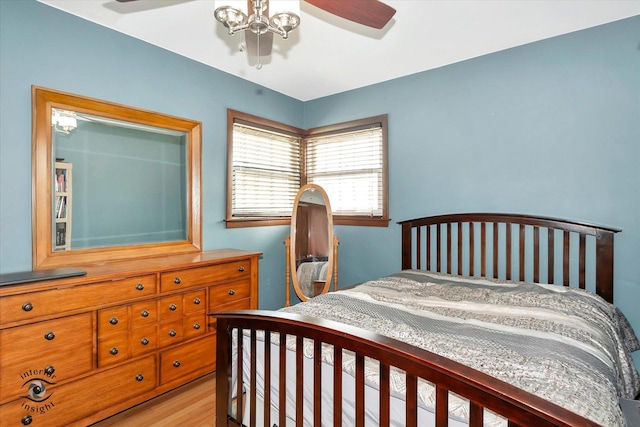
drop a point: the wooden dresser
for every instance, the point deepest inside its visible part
(76, 350)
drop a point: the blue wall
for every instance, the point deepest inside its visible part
(101, 63)
(551, 128)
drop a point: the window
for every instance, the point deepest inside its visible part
(268, 162)
(350, 164)
(266, 172)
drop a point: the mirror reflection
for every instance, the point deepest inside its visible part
(312, 247)
(116, 182)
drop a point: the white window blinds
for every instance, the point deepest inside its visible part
(266, 172)
(350, 167)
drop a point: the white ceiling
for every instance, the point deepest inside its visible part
(328, 55)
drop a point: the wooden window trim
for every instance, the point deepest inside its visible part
(234, 116)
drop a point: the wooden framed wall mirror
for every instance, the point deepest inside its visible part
(111, 182)
(312, 248)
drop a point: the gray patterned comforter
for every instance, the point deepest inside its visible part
(565, 345)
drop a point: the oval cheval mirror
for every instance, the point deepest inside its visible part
(312, 249)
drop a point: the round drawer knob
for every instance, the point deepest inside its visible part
(140, 286)
(26, 420)
(49, 370)
(176, 363)
(196, 326)
(241, 268)
(144, 341)
(196, 301)
(49, 336)
(232, 292)
(27, 306)
(36, 390)
(139, 377)
(113, 320)
(113, 351)
(173, 307)
(177, 281)
(144, 313)
(172, 333)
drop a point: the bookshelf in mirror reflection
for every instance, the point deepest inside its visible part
(62, 206)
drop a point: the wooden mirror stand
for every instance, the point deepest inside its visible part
(311, 248)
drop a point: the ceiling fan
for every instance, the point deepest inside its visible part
(260, 25)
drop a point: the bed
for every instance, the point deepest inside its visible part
(312, 275)
(368, 355)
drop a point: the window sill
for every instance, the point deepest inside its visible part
(337, 220)
(256, 222)
(361, 221)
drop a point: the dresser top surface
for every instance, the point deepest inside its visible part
(127, 268)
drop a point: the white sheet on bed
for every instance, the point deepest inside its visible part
(426, 417)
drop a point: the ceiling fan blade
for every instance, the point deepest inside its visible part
(372, 13)
(251, 41)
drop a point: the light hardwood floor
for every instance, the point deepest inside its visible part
(192, 405)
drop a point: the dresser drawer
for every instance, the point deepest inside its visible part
(194, 301)
(22, 342)
(62, 405)
(143, 340)
(112, 320)
(170, 332)
(170, 307)
(194, 325)
(144, 313)
(228, 293)
(50, 366)
(28, 306)
(113, 349)
(243, 304)
(188, 361)
(181, 279)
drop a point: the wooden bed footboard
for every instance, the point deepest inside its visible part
(519, 407)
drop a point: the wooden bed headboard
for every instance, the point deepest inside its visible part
(511, 247)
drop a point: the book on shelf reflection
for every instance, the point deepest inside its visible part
(61, 203)
(61, 234)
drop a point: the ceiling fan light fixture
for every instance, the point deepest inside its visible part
(285, 22)
(258, 24)
(285, 16)
(231, 13)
